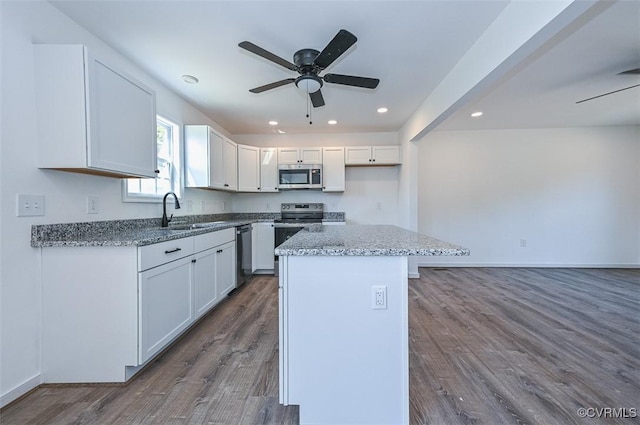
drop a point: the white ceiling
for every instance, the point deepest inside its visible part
(409, 45)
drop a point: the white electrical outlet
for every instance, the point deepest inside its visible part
(379, 297)
(523, 243)
(93, 204)
(29, 205)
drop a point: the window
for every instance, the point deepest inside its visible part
(169, 178)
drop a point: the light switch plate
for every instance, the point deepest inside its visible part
(29, 205)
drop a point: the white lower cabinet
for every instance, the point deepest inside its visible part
(263, 244)
(213, 276)
(128, 302)
(165, 305)
(226, 268)
(205, 294)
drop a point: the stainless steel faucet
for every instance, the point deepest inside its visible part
(165, 220)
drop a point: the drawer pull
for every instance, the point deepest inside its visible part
(171, 251)
(219, 251)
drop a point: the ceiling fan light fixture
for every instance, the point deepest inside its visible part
(309, 83)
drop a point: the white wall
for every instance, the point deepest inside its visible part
(371, 193)
(24, 23)
(573, 194)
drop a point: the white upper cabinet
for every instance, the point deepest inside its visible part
(300, 155)
(268, 170)
(372, 155)
(333, 169)
(248, 169)
(211, 160)
(91, 117)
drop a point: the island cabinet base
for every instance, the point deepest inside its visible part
(341, 360)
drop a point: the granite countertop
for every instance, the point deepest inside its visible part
(140, 232)
(365, 240)
(128, 237)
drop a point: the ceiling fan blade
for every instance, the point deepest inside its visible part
(337, 46)
(607, 94)
(630, 72)
(350, 80)
(316, 99)
(247, 45)
(272, 85)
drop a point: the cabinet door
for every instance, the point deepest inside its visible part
(385, 155)
(265, 244)
(288, 156)
(122, 118)
(268, 170)
(216, 160)
(92, 118)
(333, 169)
(310, 155)
(204, 281)
(165, 305)
(230, 152)
(197, 146)
(248, 169)
(225, 268)
(357, 155)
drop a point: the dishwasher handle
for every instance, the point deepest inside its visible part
(242, 229)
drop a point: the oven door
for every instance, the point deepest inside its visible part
(283, 231)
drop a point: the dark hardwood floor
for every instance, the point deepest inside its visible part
(487, 346)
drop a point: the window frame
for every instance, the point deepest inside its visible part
(177, 180)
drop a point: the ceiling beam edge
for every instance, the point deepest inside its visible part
(520, 30)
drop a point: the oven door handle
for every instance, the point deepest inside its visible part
(286, 225)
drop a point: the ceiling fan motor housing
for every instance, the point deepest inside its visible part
(305, 59)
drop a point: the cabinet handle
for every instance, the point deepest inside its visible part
(156, 171)
(171, 251)
(219, 251)
(374, 160)
(226, 185)
(258, 188)
(193, 261)
(369, 159)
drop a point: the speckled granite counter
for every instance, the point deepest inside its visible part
(145, 231)
(365, 240)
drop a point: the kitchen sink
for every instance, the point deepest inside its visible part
(195, 225)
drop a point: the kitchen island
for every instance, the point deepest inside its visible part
(344, 347)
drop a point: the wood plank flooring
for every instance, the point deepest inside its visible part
(487, 346)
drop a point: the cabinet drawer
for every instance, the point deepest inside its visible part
(209, 240)
(154, 255)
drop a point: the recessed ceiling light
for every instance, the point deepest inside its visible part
(281, 132)
(382, 110)
(190, 79)
(476, 114)
(332, 122)
(273, 122)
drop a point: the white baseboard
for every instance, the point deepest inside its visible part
(20, 390)
(414, 275)
(533, 265)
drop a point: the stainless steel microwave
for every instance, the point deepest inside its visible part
(300, 176)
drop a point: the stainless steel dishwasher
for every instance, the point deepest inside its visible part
(243, 254)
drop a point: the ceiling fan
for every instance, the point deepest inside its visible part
(635, 71)
(309, 63)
